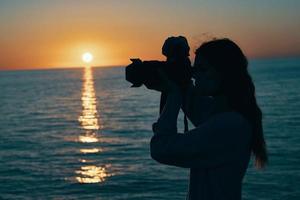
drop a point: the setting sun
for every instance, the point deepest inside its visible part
(87, 57)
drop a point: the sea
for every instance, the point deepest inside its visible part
(84, 134)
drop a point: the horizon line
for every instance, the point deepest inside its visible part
(56, 68)
(124, 65)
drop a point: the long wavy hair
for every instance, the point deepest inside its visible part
(231, 63)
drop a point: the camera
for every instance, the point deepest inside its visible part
(177, 67)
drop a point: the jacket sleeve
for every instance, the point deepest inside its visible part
(211, 144)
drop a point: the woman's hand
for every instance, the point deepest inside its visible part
(167, 121)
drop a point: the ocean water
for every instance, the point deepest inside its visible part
(84, 134)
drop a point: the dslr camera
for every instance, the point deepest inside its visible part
(177, 66)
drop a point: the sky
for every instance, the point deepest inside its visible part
(55, 33)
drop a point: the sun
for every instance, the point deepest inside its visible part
(87, 57)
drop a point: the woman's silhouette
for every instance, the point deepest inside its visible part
(228, 124)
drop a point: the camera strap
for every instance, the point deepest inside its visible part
(186, 125)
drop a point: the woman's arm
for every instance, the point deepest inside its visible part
(204, 146)
(210, 144)
(167, 120)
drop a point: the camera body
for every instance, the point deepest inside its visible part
(146, 72)
(177, 66)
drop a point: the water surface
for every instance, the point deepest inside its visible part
(84, 134)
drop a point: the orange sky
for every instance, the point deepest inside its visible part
(50, 34)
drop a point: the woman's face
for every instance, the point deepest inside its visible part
(207, 80)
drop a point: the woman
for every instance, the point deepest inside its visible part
(222, 106)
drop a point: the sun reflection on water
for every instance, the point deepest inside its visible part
(89, 121)
(89, 117)
(92, 174)
(88, 138)
(93, 150)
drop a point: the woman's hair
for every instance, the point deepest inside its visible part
(230, 62)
